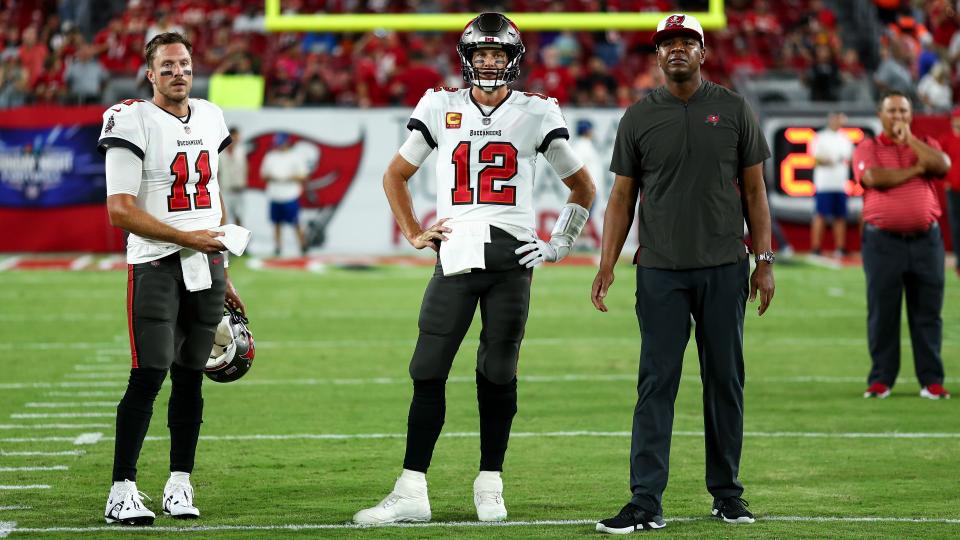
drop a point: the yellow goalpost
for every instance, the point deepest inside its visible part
(277, 21)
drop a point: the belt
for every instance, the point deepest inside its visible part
(912, 235)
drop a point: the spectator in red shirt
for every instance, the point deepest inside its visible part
(551, 78)
(902, 248)
(33, 55)
(410, 82)
(951, 145)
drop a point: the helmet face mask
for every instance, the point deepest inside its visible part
(490, 31)
(233, 348)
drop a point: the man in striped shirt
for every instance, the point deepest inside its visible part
(902, 248)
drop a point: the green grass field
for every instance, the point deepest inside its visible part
(315, 431)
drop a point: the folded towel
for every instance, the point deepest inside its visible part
(235, 238)
(464, 248)
(196, 270)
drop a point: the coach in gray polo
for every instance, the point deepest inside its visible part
(692, 153)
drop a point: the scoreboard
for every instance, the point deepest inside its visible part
(790, 172)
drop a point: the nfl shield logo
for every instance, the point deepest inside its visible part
(486, 121)
(187, 129)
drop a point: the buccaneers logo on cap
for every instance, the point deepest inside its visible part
(674, 21)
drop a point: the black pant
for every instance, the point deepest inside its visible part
(716, 298)
(170, 329)
(894, 263)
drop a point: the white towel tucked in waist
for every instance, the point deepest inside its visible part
(196, 270)
(464, 248)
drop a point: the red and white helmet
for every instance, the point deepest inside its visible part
(493, 31)
(233, 349)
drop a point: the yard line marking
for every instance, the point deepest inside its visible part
(100, 366)
(15, 507)
(68, 384)
(59, 453)
(7, 527)
(87, 438)
(63, 415)
(22, 487)
(68, 404)
(37, 468)
(53, 426)
(36, 439)
(99, 375)
(84, 394)
(478, 524)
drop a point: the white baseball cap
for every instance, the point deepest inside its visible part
(678, 24)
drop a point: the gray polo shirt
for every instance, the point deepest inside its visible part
(688, 159)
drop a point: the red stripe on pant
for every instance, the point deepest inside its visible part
(133, 345)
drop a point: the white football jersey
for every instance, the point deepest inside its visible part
(487, 161)
(180, 162)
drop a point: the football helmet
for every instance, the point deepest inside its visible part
(233, 348)
(491, 30)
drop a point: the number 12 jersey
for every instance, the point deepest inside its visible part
(487, 156)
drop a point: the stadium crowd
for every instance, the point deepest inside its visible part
(66, 51)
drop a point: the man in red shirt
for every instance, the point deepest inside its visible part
(902, 248)
(951, 145)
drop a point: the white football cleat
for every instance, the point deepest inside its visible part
(488, 496)
(178, 498)
(125, 505)
(407, 503)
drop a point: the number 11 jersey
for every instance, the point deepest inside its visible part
(178, 185)
(486, 156)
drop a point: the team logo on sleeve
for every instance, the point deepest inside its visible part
(453, 120)
(109, 127)
(713, 119)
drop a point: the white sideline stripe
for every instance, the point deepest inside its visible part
(7, 527)
(68, 404)
(477, 524)
(63, 415)
(38, 468)
(21, 487)
(60, 453)
(52, 426)
(95, 437)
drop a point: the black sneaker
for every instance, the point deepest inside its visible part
(732, 510)
(630, 519)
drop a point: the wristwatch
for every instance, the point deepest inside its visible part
(765, 256)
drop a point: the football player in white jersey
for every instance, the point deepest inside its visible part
(161, 168)
(488, 138)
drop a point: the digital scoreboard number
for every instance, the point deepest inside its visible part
(790, 171)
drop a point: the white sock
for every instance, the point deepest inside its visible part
(416, 477)
(488, 476)
(177, 475)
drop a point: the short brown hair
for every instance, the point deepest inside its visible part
(166, 38)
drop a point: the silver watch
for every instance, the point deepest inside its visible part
(765, 256)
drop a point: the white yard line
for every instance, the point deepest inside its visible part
(87, 438)
(53, 426)
(117, 394)
(16, 507)
(112, 374)
(68, 404)
(59, 453)
(477, 524)
(101, 367)
(24, 487)
(35, 468)
(7, 527)
(63, 415)
(68, 384)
